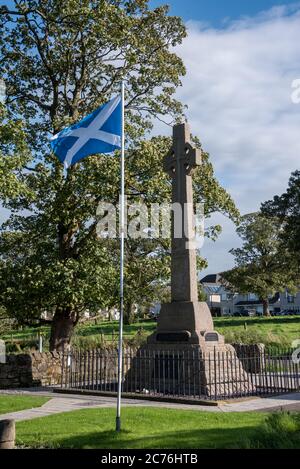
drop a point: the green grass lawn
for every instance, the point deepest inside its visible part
(280, 330)
(142, 428)
(13, 403)
(274, 330)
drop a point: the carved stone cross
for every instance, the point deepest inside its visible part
(180, 163)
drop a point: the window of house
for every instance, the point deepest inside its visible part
(252, 297)
(290, 298)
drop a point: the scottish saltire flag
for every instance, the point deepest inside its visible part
(99, 132)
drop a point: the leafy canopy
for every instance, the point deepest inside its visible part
(262, 266)
(287, 209)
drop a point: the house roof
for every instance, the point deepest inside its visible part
(248, 303)
(211, 278)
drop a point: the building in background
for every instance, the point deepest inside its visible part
(223, 302)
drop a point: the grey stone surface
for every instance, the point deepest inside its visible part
(64, 403)
(193, 317)
(185, 313)
(7, 433)
(32, 369)
(180, 163)
(252, 356)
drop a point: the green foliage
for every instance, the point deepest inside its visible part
(202, 296)
(91, 342)
(22, 346)
(255, 336)
(262, 265)
(74, 54)
(107, 342)
(286, 208)
(280, 431)
(14, 155)
(6, 323)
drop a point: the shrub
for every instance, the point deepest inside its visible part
(254, 336)
(100, 341)
(138, 339)
(281, 430)
(21, 346)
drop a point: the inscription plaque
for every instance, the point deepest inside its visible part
(211, 337)
(173, 337)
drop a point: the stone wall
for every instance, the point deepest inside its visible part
(32, 369)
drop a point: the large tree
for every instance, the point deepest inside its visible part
(263, 266)
(61, 60)
(286, 208)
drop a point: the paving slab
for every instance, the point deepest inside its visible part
(60, 403)
(262, 403)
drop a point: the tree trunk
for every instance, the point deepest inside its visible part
(128, 314)
(62, 328)
(266, 311)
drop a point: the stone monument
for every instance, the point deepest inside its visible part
(185, 319)
(185, 325)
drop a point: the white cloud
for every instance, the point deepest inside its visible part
(238, 89)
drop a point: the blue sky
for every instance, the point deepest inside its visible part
(216, 11)
(241, 59)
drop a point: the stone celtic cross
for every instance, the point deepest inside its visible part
(180, 163)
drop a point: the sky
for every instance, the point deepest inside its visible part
(218, 12)
(241, 59)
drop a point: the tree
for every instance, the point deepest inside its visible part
(14, 155)
(6, 322)
(62, 60)
(286, 208)
(262, 266)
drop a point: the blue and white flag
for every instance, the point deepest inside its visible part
(99, 132)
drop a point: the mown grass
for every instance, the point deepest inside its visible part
(143, 427)
(270, 331)
(159, 428)
(13, 403)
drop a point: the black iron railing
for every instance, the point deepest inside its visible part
(185, 373)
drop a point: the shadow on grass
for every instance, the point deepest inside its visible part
(211, 438)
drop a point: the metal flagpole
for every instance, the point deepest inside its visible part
(122, 228)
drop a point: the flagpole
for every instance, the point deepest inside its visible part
(122, 230)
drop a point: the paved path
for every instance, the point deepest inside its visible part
(65, 403)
